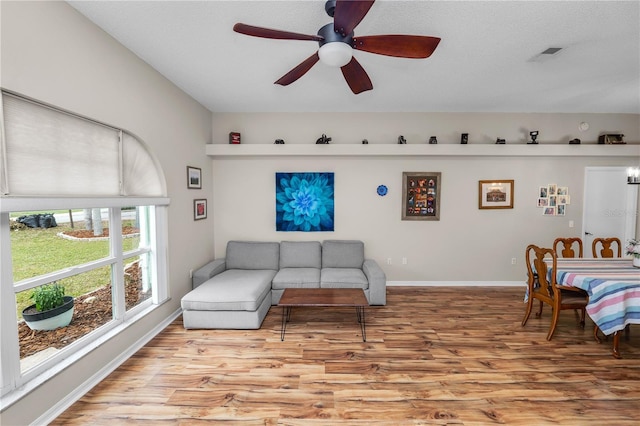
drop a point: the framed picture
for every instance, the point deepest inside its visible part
(550, 211)
(495, 194)
(543, 192)
(199, 209)
(421, 195)
(194, 178)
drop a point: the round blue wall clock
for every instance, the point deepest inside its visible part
(382, 190)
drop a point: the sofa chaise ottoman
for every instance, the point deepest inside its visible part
(234, 292)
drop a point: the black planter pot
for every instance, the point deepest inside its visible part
(51, 319)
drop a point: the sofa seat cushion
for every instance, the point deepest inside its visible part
(343, 278)
(232, 290)
(296, 278)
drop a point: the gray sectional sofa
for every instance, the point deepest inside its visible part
(237, 291)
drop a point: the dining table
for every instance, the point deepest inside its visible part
(613, 286)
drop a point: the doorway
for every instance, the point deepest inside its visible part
(610, 206)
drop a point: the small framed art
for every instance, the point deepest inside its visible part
(199, 209)
(194, 177)
(421, 195)
(495, 194)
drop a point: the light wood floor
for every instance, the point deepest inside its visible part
(433, 356)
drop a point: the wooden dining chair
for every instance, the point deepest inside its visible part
(568, 250)
(606, 250)
(559, 297)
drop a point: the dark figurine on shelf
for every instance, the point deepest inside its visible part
(464, 138)
(323, 139)
(365, 142)
(501, 141)
(401, 140)
(433, 140)
(534, 136)
(279, 142)
(575, 141)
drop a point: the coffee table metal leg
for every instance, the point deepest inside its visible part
(286, 315)
(361, 320)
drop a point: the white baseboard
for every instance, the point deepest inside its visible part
(51, 414)
(456, 284)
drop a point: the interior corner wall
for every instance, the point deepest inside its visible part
(52, 53)
(466, 244)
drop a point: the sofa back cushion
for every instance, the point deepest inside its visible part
(300, 254)
(342, 254)
(252, 255)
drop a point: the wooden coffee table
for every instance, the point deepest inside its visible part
(327, 297)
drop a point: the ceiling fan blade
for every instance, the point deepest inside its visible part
(349, 13)
(269, 33)
(400, 46)
(298, 71)
(356, 77)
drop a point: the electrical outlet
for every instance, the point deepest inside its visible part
(388, 261)
(404, 260)
(513, 260)
(570, 224)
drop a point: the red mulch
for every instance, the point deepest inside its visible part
(83, 233)
(91, 310)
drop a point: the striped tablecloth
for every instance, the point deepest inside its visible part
(613, 286)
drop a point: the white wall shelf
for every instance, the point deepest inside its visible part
(412, 150)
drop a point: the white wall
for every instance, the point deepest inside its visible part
(52, 53)
(467, 244)
(304, 128)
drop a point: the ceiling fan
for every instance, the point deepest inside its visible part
(337, 42)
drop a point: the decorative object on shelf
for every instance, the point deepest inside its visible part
(583, 127)
(534, 136)
(575, 141)
(199, 209)
(365, 142)
(323, 139)
(633, 176)
(279, 142)
(194, 177)
(611, 139)
(633, 248)
(52, 309)
(495, 194)
(433, 140)
(234, 138)
(401, 140)
(304, 201)
(553, 199)
(464, 138)
(382, 190)
(501, 141)
(421, 195)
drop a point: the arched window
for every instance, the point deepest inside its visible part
(82, 205)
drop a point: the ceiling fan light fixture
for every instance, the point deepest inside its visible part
(335, 54)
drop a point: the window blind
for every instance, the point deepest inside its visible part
(50, 152)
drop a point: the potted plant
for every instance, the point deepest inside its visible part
(52, 308)
(633, 248)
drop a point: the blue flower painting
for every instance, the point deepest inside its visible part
(304, 202)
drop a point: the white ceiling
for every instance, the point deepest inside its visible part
(483, 63)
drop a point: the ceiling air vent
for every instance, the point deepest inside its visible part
(546, 54)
